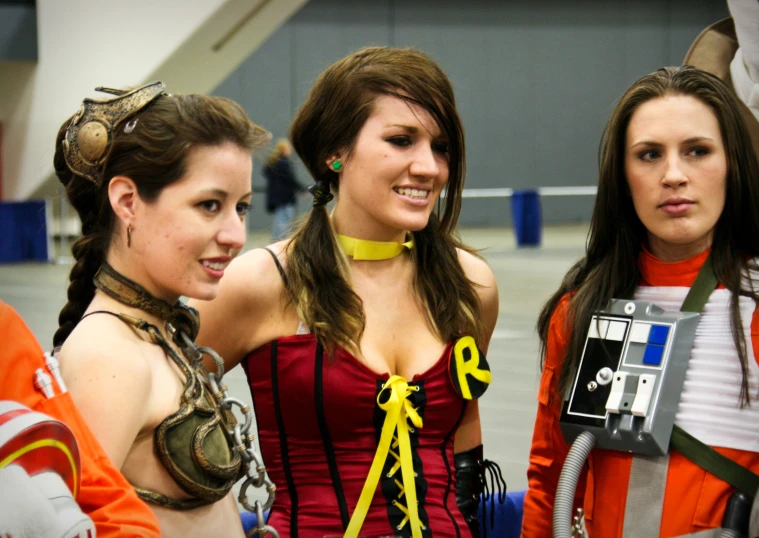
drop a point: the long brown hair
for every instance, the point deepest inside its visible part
(329, 122)
(154, 156)
(609, 269)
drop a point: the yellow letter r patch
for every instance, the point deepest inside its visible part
(468, 368)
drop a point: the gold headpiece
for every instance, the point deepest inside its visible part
(89, 137)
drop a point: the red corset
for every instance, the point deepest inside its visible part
(318, 426)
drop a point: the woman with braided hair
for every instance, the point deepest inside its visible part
(162, 185)
(363, 336)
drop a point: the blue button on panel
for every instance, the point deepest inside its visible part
(653, 355)
(658, 334)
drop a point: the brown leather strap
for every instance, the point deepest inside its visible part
(128, 292)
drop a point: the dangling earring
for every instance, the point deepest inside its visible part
(129, 236)
(336, 166)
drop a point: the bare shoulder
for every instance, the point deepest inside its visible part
(104, 348)
(250, 297)
(476, 269)
(251, 277)
(479, 272)
(110, 377)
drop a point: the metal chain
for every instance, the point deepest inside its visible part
(255, 471)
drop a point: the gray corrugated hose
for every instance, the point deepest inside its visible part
(565, 490)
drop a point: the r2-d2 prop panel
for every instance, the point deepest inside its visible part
(630, 377)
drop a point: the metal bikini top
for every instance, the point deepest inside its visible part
(201, 445)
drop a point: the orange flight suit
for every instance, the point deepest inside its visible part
(694, 500)
(104, 493)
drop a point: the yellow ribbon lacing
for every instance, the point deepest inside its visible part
(394, 441)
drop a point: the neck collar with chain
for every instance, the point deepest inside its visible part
(363, 249)
(180, 316)
(221, 467)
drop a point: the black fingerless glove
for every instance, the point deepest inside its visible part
(469, 485)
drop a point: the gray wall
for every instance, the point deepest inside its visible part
(18, 31)
(535, 80)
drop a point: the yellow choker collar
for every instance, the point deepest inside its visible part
(362, 249)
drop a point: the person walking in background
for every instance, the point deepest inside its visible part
(281, 188)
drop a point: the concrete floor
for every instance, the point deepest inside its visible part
(526, 277)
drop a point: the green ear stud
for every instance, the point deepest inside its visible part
(336, 166)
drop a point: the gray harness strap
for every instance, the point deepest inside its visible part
(645, 496)
(648, 475)
(753, 525)
(645, 499)
(710, 533)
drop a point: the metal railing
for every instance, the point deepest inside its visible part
(542, 191)
(64, 227)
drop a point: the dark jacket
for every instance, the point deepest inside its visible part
(281, 185)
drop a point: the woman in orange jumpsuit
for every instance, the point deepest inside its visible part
(678, 181)
(104, 494)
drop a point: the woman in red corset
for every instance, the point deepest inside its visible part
(360, 334)
(679, 183)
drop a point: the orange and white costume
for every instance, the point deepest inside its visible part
(103, 493)
(694, 500)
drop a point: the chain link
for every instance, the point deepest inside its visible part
(255, 471)
(262, 529)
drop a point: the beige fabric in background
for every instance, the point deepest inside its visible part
(713, 51)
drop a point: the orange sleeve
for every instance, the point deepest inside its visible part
(694, 499)
(548, 449)
(104, 494)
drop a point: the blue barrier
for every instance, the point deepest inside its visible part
(23, 232)
(502, 520)
(250, 520)
(525, 210)
(497, 520)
